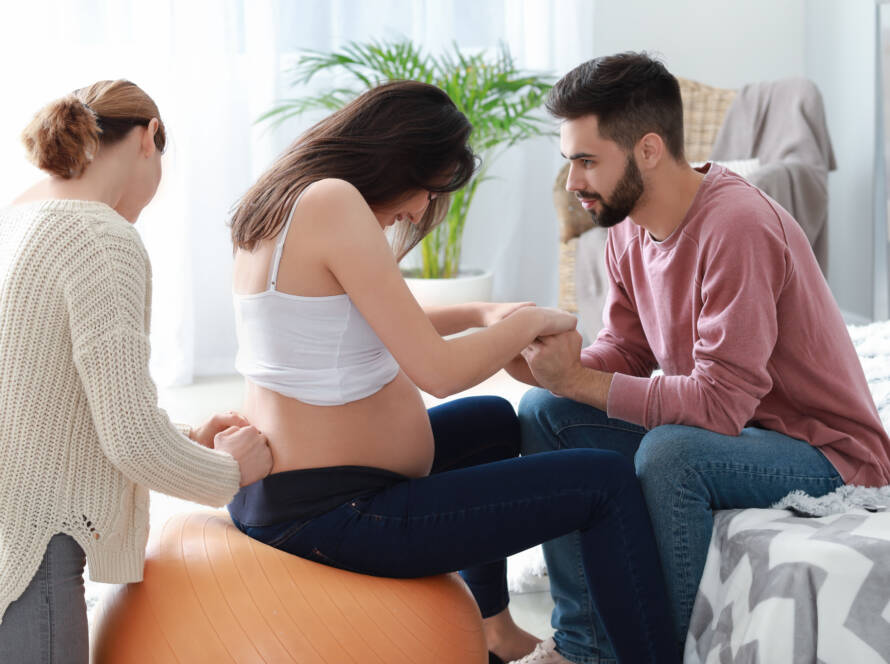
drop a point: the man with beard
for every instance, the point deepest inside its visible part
(715, 284)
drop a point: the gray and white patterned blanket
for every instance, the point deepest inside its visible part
(782, 589)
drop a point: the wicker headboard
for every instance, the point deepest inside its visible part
(704, 108)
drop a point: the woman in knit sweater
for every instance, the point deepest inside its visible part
(334, 349)
(81, 437)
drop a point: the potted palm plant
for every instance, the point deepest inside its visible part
(500, 101)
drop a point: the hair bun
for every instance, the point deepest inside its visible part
(63, 137)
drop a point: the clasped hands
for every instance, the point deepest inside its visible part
(552, 359)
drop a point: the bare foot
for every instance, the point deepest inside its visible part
(506, 639)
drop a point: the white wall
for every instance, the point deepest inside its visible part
(725, 43)
(840, 57)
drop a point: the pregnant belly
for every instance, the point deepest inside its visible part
(389, 429)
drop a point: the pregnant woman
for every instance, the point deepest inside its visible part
(334, 348)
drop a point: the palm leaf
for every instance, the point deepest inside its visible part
(500, 101)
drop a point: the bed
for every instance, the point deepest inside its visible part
(782, 588)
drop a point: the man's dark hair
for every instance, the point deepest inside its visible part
(631, 94)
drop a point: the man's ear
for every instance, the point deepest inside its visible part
(147, 145)
(649, 150)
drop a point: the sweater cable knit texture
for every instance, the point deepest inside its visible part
(81, 437)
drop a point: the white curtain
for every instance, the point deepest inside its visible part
(213, 66)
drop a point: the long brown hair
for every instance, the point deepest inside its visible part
(65, 135)
(396, 138)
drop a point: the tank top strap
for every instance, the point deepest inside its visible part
(279, 244)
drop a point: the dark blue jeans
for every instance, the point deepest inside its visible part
(481, 503)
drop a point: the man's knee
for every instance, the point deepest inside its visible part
(535, 424)
(666, 451)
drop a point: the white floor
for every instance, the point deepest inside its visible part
(195, 403)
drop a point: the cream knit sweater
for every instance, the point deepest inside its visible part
(82, 439)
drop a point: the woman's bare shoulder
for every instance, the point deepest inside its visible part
(338, 202)
(335, 192)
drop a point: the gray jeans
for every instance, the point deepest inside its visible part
(48, 623)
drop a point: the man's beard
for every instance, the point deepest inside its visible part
(623, 200)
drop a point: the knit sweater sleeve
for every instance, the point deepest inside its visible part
(106, 289)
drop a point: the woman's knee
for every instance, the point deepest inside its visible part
(474, 430)
(500, 424)
(485, 413)
(596, 470)
(482, 415)
(615, 467)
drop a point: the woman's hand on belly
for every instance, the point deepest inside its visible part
(219, 422)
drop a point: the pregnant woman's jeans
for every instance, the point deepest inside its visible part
(481, 503)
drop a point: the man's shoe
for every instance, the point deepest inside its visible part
(544, 653)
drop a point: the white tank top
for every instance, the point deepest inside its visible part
(319, 350)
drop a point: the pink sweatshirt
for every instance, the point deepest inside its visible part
(735, 311)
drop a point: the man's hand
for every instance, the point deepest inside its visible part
(555, 361)
(205, 433)
(249, 448)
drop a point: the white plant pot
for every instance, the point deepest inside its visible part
(468, 286)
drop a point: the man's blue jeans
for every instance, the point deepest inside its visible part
(686, 473)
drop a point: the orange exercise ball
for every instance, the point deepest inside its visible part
(212, 594)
